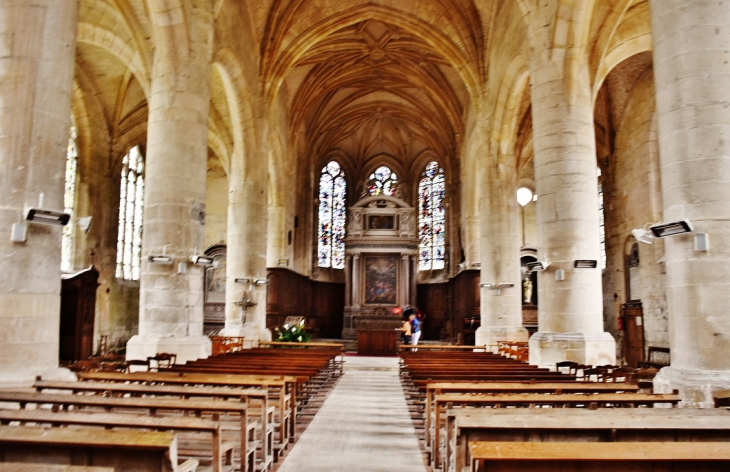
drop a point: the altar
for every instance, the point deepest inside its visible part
(381, 253)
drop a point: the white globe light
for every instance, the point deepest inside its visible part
(524, 196)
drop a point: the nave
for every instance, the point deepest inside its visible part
(364, 425)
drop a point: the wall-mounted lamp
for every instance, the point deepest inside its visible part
(261, 281)
(47, 217)
(537, 266)
(476, 265)
(160, 259)
(498, 286)
(244, 280)
(282, 262)
(560, 274)
(585, 264)
(643, 236)
(201, 260)
(662, 230)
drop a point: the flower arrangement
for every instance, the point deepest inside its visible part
(294, 333)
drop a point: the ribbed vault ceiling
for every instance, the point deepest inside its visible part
(372, 90)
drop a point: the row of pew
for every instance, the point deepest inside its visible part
(485, 411)
(195, 416)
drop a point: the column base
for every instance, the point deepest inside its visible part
(491, 335)
(26, 379)
(695, 387)
(252, 335)
(547, 349)
(187, 348)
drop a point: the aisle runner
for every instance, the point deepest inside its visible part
(363, 425)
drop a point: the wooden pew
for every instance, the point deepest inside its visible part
(602, 456)
(31, 467)
(441, 347)
(578, 425)
(137, 404)
(533, 400)
(123, 450)
(283, 389)
(435, 388)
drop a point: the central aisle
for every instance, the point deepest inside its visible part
(363, 425)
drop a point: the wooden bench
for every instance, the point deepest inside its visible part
(436, 388)
(147, 404)
(652, 360)
(31, 467)
(599, 456)
(578, 425)
(123, 450)
(533, 400)
(282, 390)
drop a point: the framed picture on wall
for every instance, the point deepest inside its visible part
(381, 222)
(381, 280)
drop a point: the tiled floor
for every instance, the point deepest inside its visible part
(363, 426)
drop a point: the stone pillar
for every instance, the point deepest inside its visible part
(247, 228)
(414, 281)
(501, 308)
(38, 42)
(405, 284)
(348, 280)
(356, 281)
(171, 303)
(692, 71)
(570, 318)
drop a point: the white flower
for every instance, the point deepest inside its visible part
(293, 329)
(301, 323)
(300, 339)
(286, 326)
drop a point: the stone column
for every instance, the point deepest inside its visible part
(414, 281)
(356, 281)
(247, 225)
(501, 308)
(692, 71)
(348, 281)
(171, 303)
(38, 42)
(405, 284)
(570, 318)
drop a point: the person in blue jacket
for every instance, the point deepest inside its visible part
(415, 328)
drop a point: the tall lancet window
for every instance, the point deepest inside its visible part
(383, 182)
(432, 218)
(69, 196)
(332, 213)
(131, 203)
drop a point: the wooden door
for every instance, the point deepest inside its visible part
(633, 322)
(78, 306)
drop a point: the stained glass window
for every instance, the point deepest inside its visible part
(69, 196)
(432, 218)
(332, 212)
(131, 203)
(601, 220)
(383, 182)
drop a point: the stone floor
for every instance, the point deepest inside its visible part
(363, 425)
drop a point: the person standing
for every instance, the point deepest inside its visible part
(406, 329)
(415, 329)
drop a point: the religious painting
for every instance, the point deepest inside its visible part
(381, 276)
(381, 222)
